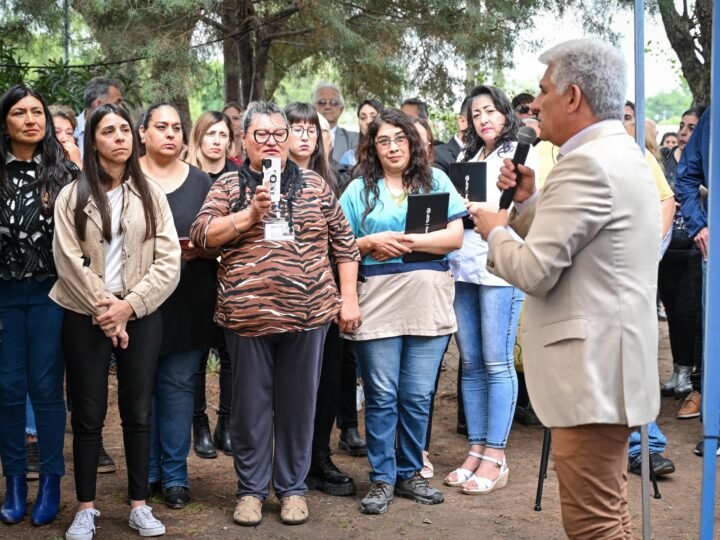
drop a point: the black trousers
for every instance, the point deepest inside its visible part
(680, 288)
(87, 358)
(225, 385)
(329, 389)
(347, 409)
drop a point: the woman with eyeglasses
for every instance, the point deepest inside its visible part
(406, 307)
(276, 298)
(487, 308)
(188, 328)
(211, 143)
(118, 260)
(33, 170)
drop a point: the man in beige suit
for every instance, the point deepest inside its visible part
(589, 268)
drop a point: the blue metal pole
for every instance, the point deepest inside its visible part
(711, 364)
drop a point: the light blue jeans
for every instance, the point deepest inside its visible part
(399, 377)
(487, 324)
(171, 422)
(656, 441)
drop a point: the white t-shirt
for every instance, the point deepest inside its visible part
(113, 250)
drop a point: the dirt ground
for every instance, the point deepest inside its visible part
(507, 513)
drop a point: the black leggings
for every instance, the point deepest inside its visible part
(680, 288)
(225, 385)
(87, 357)
(328, 393)
(347, 416)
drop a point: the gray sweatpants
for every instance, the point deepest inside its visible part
(275, 380)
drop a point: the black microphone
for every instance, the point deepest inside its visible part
(526, 137)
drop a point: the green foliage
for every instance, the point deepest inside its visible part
(668, 106)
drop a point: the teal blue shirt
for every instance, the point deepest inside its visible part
(389, 215)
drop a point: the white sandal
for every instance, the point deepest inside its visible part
(485, 485)
(428, 471)
(462, 475)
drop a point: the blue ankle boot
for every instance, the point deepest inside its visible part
(47, 504)
(13, 508)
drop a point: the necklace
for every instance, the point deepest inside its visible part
(398, 199)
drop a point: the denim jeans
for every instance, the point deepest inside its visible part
(487, 324)
(172, 414)
(31, 364)
(30, 427)
(399, 375)
(657, 441)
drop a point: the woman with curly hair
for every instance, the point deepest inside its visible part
(406, 307)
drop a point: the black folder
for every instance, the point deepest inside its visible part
(426, 213)
(470, 179)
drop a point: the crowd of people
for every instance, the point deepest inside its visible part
(142, 248)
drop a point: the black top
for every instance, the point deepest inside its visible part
(669, 165)
(26, 233)
(188, 313)
(230, 166)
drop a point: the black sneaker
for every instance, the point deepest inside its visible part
(177, 497)
(660, 464)
(378, 498)
(419, 490)
(700, 448)
(105, 463)
(33, 459)
(325, 476)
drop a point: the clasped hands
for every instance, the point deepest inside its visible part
(113, 320)
(390, 244)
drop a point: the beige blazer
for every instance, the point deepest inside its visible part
(589, 268)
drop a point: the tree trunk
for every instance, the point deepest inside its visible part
(231, 56)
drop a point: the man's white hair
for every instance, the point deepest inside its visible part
(597, 68)
(324, 85)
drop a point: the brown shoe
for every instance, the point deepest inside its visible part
(293, 510)
(248, 511)
(691, 406)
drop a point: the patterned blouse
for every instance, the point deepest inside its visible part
(26, 233)
(268, 287)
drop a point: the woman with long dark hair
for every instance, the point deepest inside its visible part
(188, 329)
(118, 259)
(33, 170)
(406, 307)
(212, 140)
(487, 308)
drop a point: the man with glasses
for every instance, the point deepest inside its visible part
(329, 102)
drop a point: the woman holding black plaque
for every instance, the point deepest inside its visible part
(405, 306)
(276, 299)
(487, 308)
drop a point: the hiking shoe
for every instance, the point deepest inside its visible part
(83, 526)
(691, 406)
(419, 490)
(143, 521)
(378, 498)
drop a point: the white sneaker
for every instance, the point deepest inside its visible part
(143, 521)
(83, 526)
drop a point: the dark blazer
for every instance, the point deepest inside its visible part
(344, 141)
(447, 153)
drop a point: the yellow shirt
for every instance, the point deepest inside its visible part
(661, 182)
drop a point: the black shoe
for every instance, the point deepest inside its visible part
(660, 464)
(378, 499)
(155, 490)
(33, 459)
(461, 429)
(700, 448)
(352, 442)
(419, 490)
(105, 463)
(221, 435)
(527, 417)
(204, 447)
(325, 476)
(177, 497)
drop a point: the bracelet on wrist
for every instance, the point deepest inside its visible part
(232, 219)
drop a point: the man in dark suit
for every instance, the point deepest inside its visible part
(447, 153)
(329, 101)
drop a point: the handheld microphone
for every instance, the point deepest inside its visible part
(526, 138)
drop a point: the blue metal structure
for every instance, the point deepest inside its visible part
(711, 365)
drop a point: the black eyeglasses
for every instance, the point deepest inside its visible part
(385, 142)
(262, 136)
(523, 109)
(326, 102)
(298, 131)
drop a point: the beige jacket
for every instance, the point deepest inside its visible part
(589, 268)
(151, 268)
